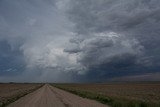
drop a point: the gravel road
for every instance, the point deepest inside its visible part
(48, 96)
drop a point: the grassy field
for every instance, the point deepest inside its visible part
(11, 92)
(118, 94)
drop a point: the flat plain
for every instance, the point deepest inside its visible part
(49, 96)
(9, 92)
(134, 94)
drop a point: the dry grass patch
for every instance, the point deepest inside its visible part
(118, 94)
(12, 92)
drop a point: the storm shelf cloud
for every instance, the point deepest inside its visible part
(79, 40)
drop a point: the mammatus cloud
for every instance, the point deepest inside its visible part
(82, 40)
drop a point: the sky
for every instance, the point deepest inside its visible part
(79, 40)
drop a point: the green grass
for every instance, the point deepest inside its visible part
(113, 102)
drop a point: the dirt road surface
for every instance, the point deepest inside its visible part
(48, 96)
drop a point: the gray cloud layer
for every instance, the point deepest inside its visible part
(78, 40)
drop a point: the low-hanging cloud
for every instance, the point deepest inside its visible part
(110, 50)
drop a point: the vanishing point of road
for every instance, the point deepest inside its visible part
(49, 96)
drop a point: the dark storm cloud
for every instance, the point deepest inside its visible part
(33, 31)
(109, 55)
(137, 51)
(11, 61)
(73, 49)
(119, 15)
(79, 40)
